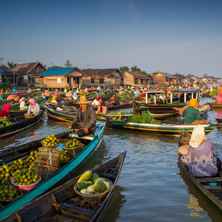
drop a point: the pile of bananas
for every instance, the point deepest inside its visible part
(72, 144)
(50, 141)
(4, 122)
(7, 192)
(25, 176)
(30, 160)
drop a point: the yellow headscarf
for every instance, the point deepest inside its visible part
(193, 103)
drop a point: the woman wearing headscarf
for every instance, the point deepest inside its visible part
(33, 109)
(5, 110)
(22, 105)
(198, 155)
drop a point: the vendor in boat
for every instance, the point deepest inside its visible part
(22, 105)
(198, 154)
(85, 121)
(113, 100)
(191, 113)
(5, 110)
(102, 108)
(33, 108)
(96, 102)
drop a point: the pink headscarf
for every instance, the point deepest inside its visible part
(32, 102)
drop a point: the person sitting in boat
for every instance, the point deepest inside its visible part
(85, 121)
(198, 155)
(46, 94)
(101, 108)
(113, 100)
(22, 105)
(5, 110)
(96, 102)
(33, 108)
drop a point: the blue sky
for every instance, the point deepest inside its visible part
(167, 35)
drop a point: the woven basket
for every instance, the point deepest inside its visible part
(96, 195)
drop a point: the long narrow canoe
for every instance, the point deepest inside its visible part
(210, 187)
(57, 177)
(64, 204)
(159, 128)
(20, 125)
(58, 115)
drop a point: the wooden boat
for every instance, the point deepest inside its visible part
(216, 106)
(120, 106)
(59, 115)
(20, 124)
(160, 128)
(62, 202)
(210, 187)
(60, 174)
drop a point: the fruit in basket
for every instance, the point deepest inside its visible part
(64, 156)
(8, 192)
(91, 183)
(50, 141)
(85, 176)
(4, 122)
(83, 185)
(100, 186)
(72, 144)
(25, 176)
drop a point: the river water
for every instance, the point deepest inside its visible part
(150, 187)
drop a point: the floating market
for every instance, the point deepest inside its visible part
(110, 153)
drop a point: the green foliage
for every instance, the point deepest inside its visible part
(144, 118)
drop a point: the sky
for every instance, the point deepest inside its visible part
(161, 35)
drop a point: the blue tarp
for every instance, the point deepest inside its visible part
(57, 71)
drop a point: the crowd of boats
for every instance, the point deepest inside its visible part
(38, 179)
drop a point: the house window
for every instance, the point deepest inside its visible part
(92, 80)
(101, 81)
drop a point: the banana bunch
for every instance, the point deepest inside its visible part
(30, 160)
(72, 144)
(50, 141)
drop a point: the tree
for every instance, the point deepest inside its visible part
(11, 65)
(135, 69)
(123, 69)
(68, 63)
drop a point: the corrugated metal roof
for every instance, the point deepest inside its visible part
(57, 71)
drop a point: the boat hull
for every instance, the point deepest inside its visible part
(57, 177)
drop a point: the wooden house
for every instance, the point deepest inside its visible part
(6, 76)
(159, 78)
(101, 77)
(136, 79)
(61, 77)
(27, 74)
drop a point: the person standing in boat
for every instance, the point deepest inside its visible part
(33, 109)
(85, 122)
(198, 155)
(191, 113)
